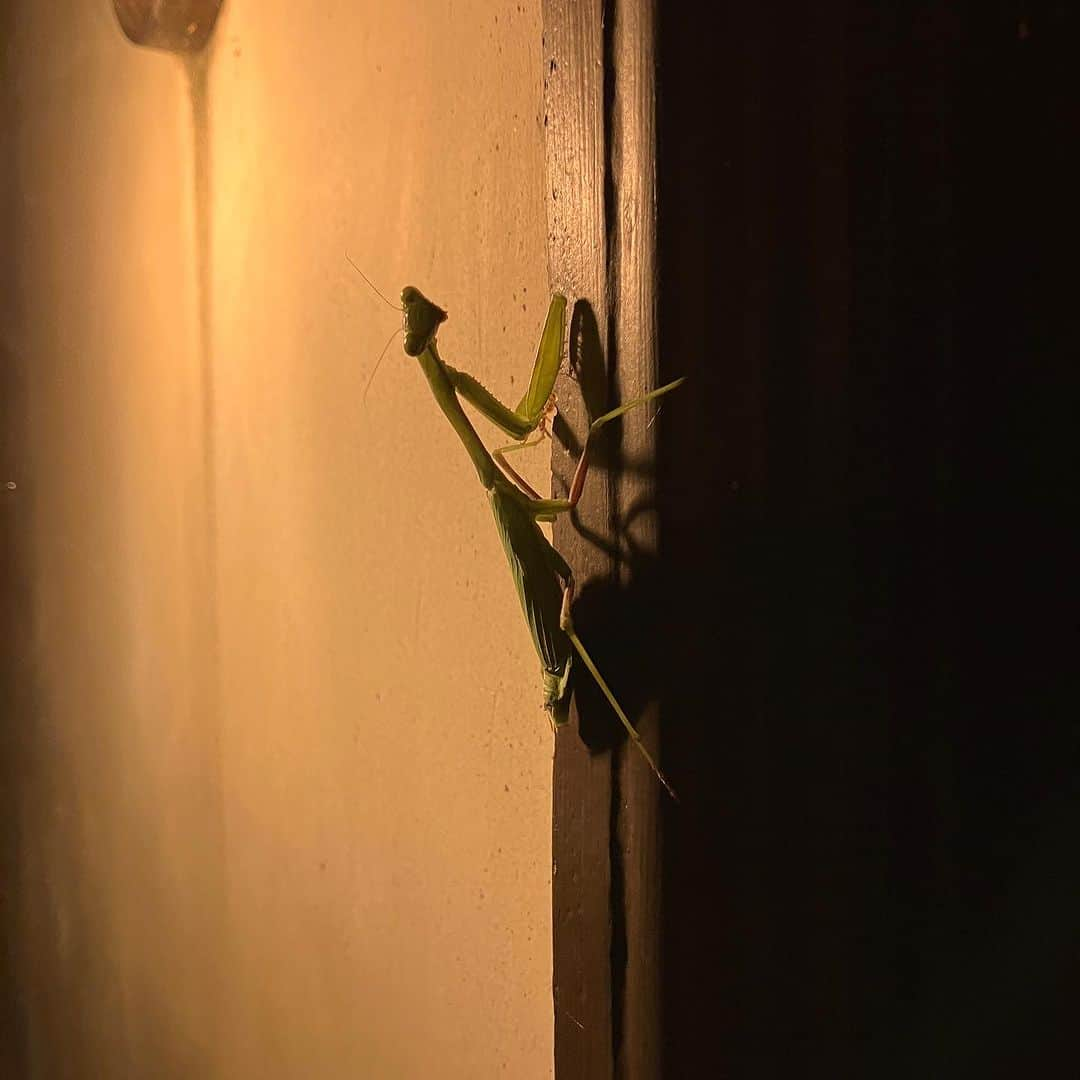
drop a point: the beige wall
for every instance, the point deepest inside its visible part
(284, 797)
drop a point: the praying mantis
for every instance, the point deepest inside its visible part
(544, 580)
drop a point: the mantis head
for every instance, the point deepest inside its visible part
(421, 320)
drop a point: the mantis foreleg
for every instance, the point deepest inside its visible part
(520, 422)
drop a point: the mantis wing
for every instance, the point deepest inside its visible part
(535, 566)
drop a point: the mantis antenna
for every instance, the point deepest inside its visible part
(371, 378)
(396, 307)
(370, 284)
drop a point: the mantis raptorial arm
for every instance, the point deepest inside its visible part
(520, 422)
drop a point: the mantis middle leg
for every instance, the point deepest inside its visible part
(547, 509)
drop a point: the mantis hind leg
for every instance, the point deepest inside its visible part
(566, 622)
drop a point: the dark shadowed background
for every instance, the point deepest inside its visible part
(870, 629)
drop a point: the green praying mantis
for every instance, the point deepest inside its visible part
(544, 581)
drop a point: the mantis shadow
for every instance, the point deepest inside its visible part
(616, 617)
(596, 383)
(614, 611)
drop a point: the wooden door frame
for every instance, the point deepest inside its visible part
(600, 130)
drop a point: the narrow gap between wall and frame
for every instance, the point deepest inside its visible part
(617, 884)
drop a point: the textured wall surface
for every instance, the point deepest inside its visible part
(278, 790)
